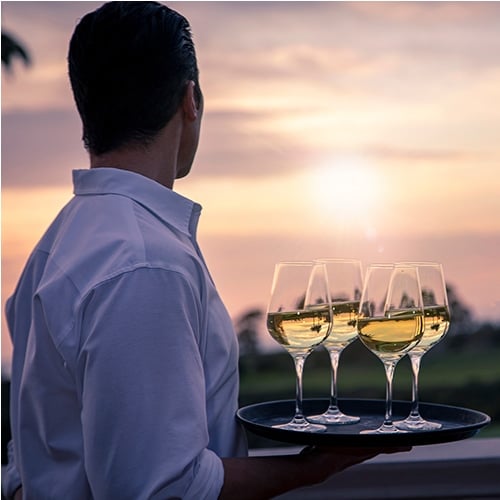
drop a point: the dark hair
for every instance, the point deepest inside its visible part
(129, 64)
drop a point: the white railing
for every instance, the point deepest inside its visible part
(468, 469)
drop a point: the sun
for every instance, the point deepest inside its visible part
(347, 192)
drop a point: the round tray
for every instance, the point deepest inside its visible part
(457, 423)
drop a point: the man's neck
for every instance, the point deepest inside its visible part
(157, 160)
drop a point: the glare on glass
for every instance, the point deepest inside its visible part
(436, 323)
(345, 284)
(299, 319)
(390, 322)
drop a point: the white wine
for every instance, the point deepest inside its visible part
(391, 336)
(344, 329)
(436, 323)
(301, 330)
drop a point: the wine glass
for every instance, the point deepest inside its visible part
(436, 323)
(390, 322)
(345, 282)
(299, 318)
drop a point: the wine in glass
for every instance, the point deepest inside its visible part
(345, 283)
(436, 323)
(390, 322)
(299, 318)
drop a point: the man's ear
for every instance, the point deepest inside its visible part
(189, 106)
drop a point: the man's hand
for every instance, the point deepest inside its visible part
(259, 478)
(330, 460)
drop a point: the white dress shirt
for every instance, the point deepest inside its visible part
(124, 371)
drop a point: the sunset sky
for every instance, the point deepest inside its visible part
(331, 129)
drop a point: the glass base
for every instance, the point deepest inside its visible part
(333, 416)
(416, 423)
(385, 429)
(301, 425)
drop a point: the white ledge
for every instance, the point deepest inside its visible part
(468, 469)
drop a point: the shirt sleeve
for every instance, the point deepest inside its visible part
(11, 479)
(142, 384)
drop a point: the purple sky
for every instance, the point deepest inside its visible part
(366, 130)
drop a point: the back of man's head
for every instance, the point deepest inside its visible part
(129, 63)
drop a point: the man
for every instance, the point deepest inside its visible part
(124, 374)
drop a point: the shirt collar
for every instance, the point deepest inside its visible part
(173, 208)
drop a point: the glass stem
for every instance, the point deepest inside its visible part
(299, 360)
(389, 374)
(415, 369)
(334, 360)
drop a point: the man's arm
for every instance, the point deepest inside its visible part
(256, 478)
(143, 416)
(11, 481)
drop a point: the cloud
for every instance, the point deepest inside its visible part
(42, 147)
(286, 84)
(237, 144)
(398, 154)
(440, 13)
(248, 44)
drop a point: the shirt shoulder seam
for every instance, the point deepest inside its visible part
(106, 279)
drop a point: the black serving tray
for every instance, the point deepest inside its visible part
(457, 423)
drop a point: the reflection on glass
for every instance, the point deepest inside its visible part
(390, 322)
(299, 318)
(345, 284)
(436, 323)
